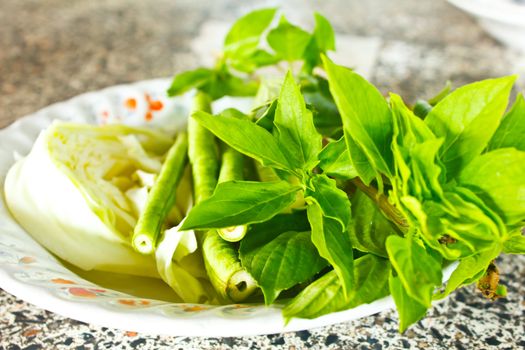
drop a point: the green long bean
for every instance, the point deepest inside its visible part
(161, 197)
(202, 152)
(232, 168)
(228, 277)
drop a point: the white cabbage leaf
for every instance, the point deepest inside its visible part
(180, 265)
(80, 190)
(179, 259)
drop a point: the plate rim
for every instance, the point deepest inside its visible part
(505, 13)
(95, 313)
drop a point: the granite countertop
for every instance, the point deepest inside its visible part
(53, 50)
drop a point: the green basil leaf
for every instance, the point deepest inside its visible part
(322, 40)
(409, 309)
(369, 228)
(498, 178)
(469, 270)
(371, 280)
(294, 127)
(425, 172)
(417, 188)
(261, 58)
(467, 118)
(324, 33)
(232, 86)
(415, 149)
(470, 225)
(418, 271)
(245, 137)
(245, 34)
(262, 233)
(515, 244)
(240, 202)
(408, 128)
(250, 62)
(287, 260)
(288, 41)
(189, 80)
(266, 115)
(367, 121)
(511, 131)
(216, 83)
(327, 119)
(233, 113)
(333, 244)
(360, 160)
(325, 295)
(269, 90)
(311, 57)
(333, 202)
(335, 161)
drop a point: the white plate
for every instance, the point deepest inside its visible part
(31, 273)
(503, 19)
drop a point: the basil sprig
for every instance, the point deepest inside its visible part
(355, 195)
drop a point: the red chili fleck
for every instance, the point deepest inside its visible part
(105, 114)
(27, 260)
(61, 281)
(148, 116)
(144, 302)
(131, 334)
(131, 103)
(156, 105)
(127, 302)
(98, 290)
(81, 292)
(194, 308)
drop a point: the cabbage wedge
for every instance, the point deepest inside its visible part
(74, 193)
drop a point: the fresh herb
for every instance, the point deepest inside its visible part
(326, 294)
(511, 129)
(291, 249)
(334, 195)
(367, 122)
(467, 119)
(408, 188)
(241, 203)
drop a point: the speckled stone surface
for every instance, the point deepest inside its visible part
(53, 50)
(463, 321)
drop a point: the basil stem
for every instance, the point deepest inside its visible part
(392, 213)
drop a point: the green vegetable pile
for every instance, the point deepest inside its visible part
(354, 196)
(327, 195)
